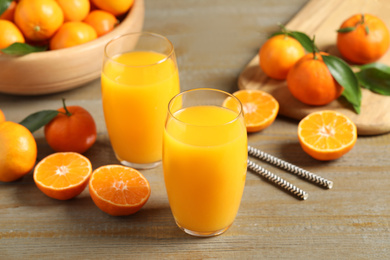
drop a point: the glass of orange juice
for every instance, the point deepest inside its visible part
(204, 160)
(138, 79)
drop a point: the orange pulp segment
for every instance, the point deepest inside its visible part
(260, 108)
(326, 135)
(118, 190)
(63, 175)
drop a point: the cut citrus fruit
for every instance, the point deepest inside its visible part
(326, 135)
(260, 108)
(118, 190)
(63, 175)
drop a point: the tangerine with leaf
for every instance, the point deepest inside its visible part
(363, 38)
(311, 82)
(72, 130)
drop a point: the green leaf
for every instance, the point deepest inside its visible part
(276, 33)
(303, 39)
(367, 29)
(346, 29)
(38, 119)
(4, 4)
(376, 65)
(18, 48)
(375, 78)
(344, 75)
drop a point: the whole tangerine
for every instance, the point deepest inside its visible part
(363, 38)
(18, 151)
(311, 82)
(117, 7)
(9, 34)
(278, 54)
(74, 10)
(38, 19)
(102, 21)
(72, 34)
(72, 130)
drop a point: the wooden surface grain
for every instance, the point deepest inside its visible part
(214, 42)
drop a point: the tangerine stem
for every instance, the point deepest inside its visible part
(283, 28)
(314, 48)
(66, 110)
(284, 31)
(362, 22)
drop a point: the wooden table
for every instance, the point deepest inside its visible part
(214, 41)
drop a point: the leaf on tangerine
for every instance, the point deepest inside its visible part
(375, 77)
(367, 29)
(344, 75)
(4, 4)
(38, 119)
(304, 40)
(346, 29)
(376, 65)
(301, 37)
(19, 48)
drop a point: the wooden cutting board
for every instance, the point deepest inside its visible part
(322, 18)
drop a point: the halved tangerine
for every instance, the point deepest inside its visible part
(260, 108)
(63, 175)
(327, 135)
(119, 190)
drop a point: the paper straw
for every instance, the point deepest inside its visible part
(278, 181)
(290, 167)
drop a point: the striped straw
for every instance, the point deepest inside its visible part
(278, 181)
(290, 167)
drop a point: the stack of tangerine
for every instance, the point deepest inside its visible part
(59, 23)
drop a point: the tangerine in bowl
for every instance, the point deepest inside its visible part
(63, 69)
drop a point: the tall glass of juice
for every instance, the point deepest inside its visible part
(139, 77)
(204, 160)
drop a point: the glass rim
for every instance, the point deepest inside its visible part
(239, 113)
(170, 54)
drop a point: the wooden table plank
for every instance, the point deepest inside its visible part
(350, 221)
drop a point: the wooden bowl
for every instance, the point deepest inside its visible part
(60, 70)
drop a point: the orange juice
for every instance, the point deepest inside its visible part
(204, 161)
(136, 89)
